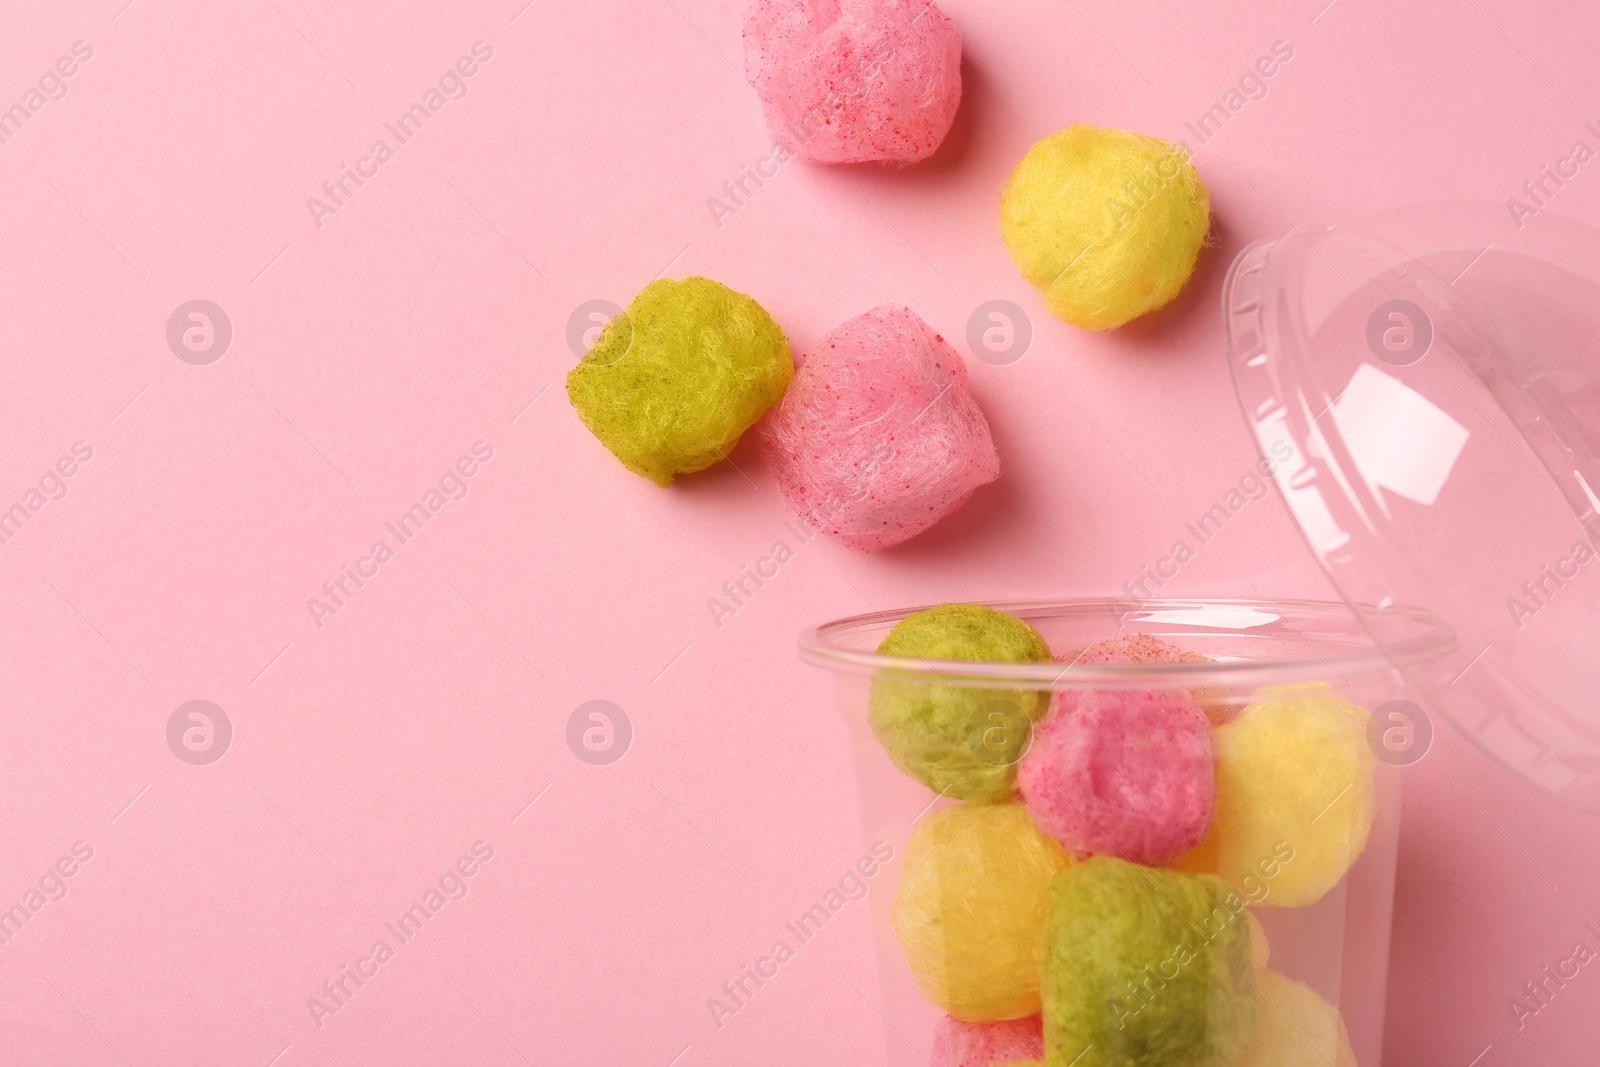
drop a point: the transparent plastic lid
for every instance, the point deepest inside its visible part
(1426, 386)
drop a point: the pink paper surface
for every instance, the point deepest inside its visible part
(374, 747)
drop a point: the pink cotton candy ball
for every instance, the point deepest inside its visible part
(847, 81)
(1134, 648)
(877, 437)
(961, 1044)
(1125, 773)
(1148, 648)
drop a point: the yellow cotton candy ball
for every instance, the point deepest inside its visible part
(1297, 1028)
(970, 910)
(1107, 224)
(1295, 796)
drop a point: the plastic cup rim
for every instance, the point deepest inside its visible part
(1423, 638)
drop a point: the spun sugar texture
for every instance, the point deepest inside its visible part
(848, 81)
(1145, 967)
(672, 383)
(1001, 1044)
(1295, 796)
(958, 741)
(1148, 648)
(1135, 648)
(969, 912)
(1107, 224)
(878, 437)
(1297, 1028)
(1122, 772)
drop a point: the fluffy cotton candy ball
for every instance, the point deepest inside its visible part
(1296, 794)
(1107, 224)
(1002, 1044)
(1297, 1028)
(1145, 967)
(878, 438)
(959, 741)
(847, 81)
(672, 383)
(970, 909)
(1135, 648)
(1148, 648)
(1122, 773)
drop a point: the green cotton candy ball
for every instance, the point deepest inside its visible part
(1145, 967)
(672, 382)
(959, 741)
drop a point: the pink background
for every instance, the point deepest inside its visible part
(430, 313)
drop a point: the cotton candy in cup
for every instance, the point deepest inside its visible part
(970, 909)
(850, 81)
(1145, 967)
(1107, 224)
(1297, 1028)
(1296, 793)
(960, 741)
(1122, 772)
(878, 437)
(1134, 648)
(1002, 1044)
(1148, 648)
(672, 383)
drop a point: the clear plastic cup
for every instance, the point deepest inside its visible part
(1339, 945)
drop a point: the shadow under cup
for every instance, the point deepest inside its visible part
(1338, 945)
